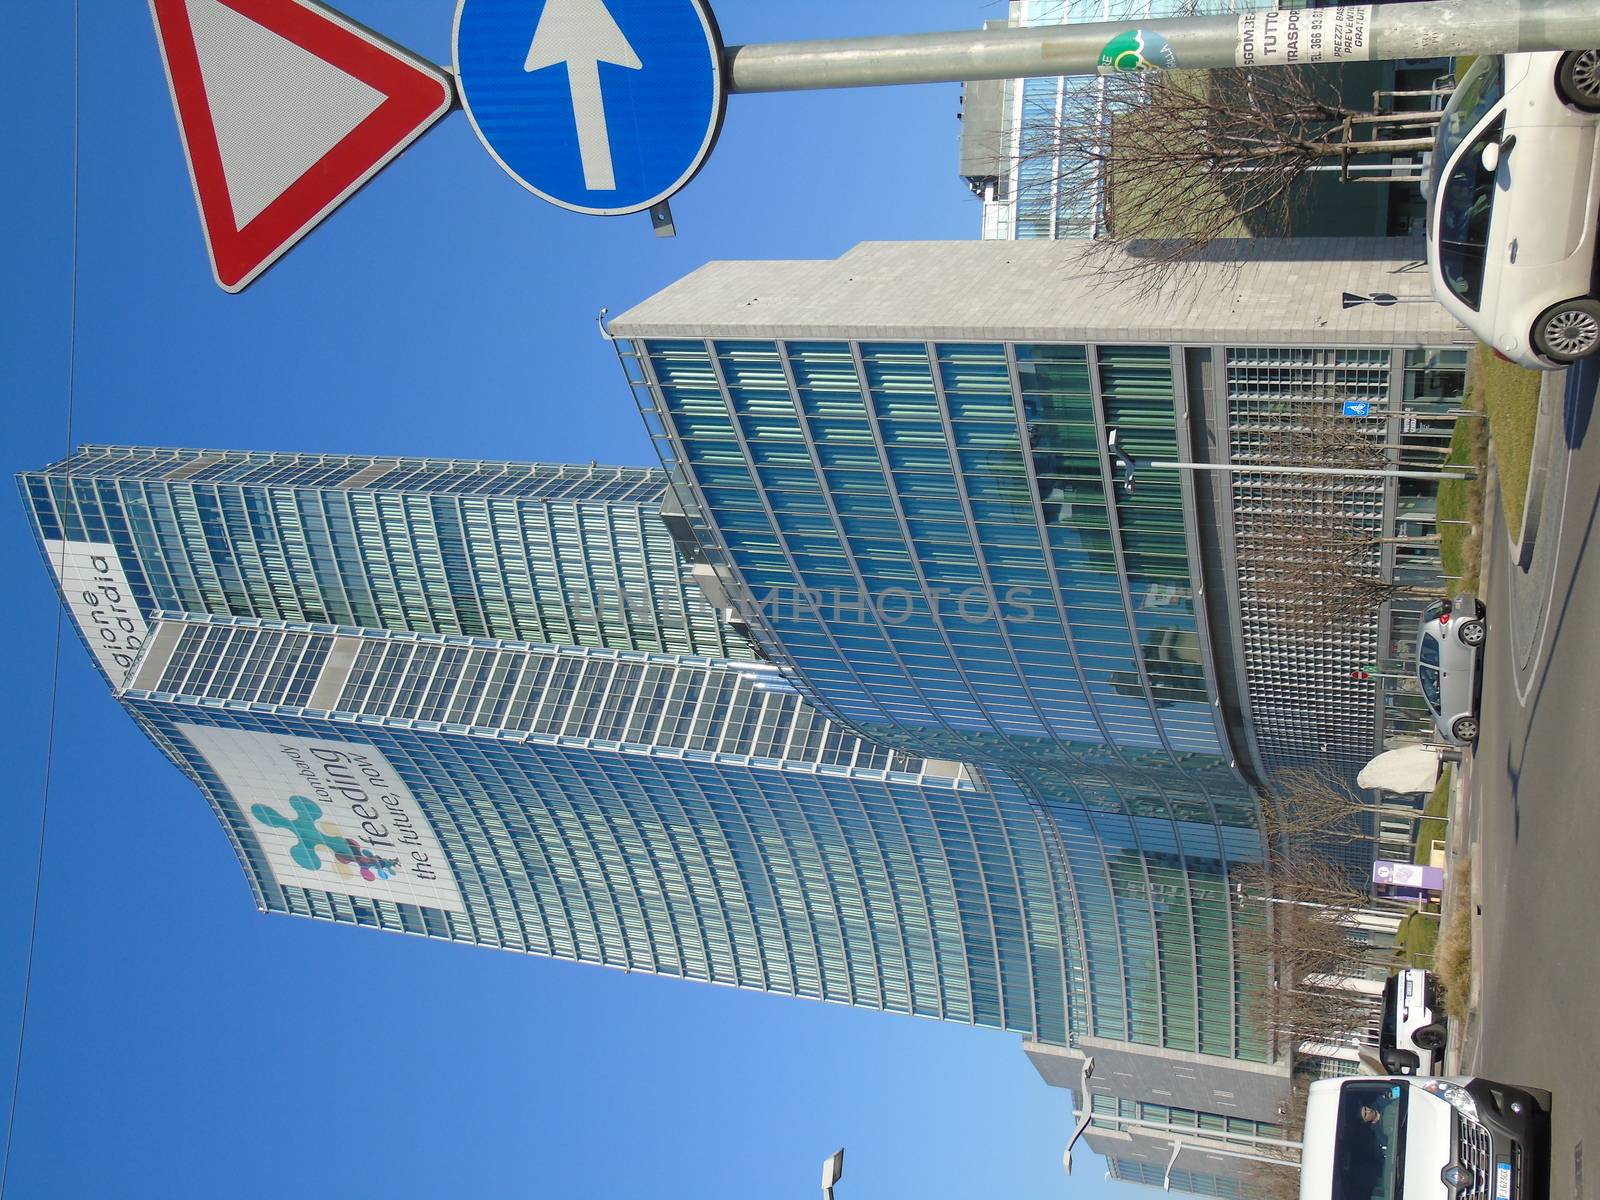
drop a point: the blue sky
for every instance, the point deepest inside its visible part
(180, 1043)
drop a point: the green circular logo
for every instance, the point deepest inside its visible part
(1138, 50)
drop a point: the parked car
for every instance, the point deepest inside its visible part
(1391, 1136)
(1449, 647)
(1414, 1032)
(1513, 196)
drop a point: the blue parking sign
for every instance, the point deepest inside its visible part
(600, 106)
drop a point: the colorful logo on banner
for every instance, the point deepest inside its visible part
(314, 839)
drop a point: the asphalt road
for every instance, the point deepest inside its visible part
(1536, 803)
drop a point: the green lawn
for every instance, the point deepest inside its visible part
(1461, 500)
(1510, 395)
(1414, 943)
(1430, 829)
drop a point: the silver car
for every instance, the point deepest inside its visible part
(1449, 646)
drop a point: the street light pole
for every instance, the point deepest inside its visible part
(1129, 466)
(832, 1172)
(1261, 469)
(1389, 31)
(1088, 1115)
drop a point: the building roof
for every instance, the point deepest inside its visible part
(1263, 291)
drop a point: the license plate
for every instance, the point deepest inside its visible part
(1502, 1181)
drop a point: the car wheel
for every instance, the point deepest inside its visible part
(1569, 331)
(1430, 1037)
(1465, 729)
(1473, 632)
(1579, 78)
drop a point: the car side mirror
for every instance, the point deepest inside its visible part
(1495, 153)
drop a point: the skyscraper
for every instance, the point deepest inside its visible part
(590, 795)
(899, 465)
(890, 691)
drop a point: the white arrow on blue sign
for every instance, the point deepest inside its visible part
(1357, 408)
(600, 106)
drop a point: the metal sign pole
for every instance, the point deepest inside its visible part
(1273, 38)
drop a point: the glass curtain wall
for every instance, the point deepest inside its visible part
(679, 839)
(926, 534)
(555, 554)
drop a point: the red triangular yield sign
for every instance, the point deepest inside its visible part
(285, 109)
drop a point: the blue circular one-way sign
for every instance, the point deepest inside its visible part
(600, 106)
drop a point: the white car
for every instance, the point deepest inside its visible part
(1513, 197)
(1414, 1031)
(1398, 1137)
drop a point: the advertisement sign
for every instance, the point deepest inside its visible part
(1407, 875)
(333, 816)
(1292, 37)
(97, 596)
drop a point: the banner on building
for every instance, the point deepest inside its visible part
(331, 816)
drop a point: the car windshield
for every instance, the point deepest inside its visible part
(1479, 90)
(1369, 1144)
(1465, 209)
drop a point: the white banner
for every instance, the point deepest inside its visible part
(333, 816)
(1295, 36)
(96, 591)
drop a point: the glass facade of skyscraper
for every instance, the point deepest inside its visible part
(556, 554)
(652, 812)
(900, 466)
(578, 790)
(1072, 882)
(929, 536)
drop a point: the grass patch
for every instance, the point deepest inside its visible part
(1453, 952)
(1509, 394)
(1432, 828)
(1460, 504)
(1416, 940)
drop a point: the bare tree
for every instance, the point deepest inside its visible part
(1191, 156)
(1313, 431)
(1315, 564)
(1300, 547)
(1310, 937)
(1309, 808)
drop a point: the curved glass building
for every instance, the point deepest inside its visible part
(929, 535)
(488, 665)
(900, 466)
(650, 812)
